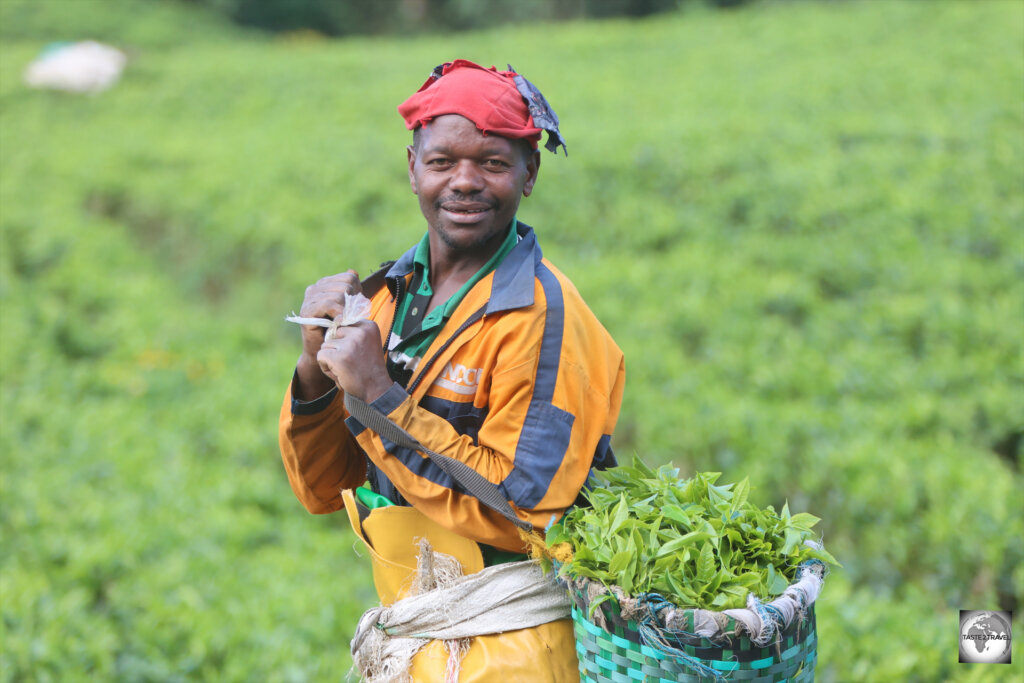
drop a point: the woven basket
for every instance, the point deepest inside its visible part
(619, 655)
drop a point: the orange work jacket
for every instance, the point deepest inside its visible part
(522, 384)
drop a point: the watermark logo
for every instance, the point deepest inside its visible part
(985, 637)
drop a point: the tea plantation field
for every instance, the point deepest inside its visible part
(801, 221)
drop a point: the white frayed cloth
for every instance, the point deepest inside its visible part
(505, 597)
(761, 625)
(793, 602)
(356, 308)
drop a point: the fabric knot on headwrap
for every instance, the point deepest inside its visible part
(497, 102)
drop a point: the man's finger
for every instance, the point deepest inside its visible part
(349, 274)
(336, 287)
(367, 325)
(324, 368)
(342, 280)
(322, 309)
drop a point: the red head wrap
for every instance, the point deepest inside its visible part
(493, 100)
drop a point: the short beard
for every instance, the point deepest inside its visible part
(478, 245)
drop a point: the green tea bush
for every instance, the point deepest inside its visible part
(801, 222)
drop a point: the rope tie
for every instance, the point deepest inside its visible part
(653, 635)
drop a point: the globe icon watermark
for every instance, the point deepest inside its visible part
(985, 637)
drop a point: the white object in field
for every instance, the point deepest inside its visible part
(86, 67)
(357, 307)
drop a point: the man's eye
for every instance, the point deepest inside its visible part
(495, 164)
(441, 161)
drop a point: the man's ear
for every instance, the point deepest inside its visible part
(411, 152)
(532, 168)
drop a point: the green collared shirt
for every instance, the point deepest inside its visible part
(414, 339)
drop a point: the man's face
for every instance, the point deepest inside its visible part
(469, 184)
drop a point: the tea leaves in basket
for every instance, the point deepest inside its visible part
(697, 542)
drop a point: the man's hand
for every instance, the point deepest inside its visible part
(355, 362)
(325, 299)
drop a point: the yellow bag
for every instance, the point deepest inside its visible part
(541, 654)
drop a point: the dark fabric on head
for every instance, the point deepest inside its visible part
(541, 113)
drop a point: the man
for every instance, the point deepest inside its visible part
(481, 354)
(477, 347)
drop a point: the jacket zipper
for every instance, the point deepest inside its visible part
(398, 293)
(479, 313)
(399, 284)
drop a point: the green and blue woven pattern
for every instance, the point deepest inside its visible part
(620, 656)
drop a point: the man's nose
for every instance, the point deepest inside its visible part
(466, 177)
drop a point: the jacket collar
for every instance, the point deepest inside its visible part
(402, 267)
(512, 284)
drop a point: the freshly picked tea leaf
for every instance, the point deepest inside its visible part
(696, 542)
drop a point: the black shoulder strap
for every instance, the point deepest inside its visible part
(472, 481)
(373, 282)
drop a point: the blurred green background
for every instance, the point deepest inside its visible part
(800, 220)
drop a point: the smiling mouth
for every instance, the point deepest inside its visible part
(465, 208)
(465, 212)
